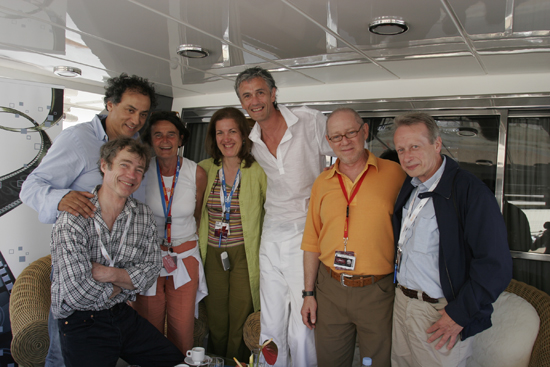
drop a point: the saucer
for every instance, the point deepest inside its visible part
(205, 362)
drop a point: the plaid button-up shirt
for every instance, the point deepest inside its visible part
(74, 246)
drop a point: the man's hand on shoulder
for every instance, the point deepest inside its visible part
(445, 328)
(77, 203)
(309, 312)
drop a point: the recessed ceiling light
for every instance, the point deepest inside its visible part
(67, 71)
(466, 131)
(192, 51)
(388, 26)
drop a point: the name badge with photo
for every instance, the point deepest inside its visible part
(169, 263)
(221, 229)
(344, 260)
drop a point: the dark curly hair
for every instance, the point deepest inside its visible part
(116, 87)
(211, 145)
(171, 117)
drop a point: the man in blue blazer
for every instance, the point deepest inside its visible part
(452, 255)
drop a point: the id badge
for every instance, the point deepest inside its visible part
(221, 229)
(398, 259)
(344, 260)
(169, 263)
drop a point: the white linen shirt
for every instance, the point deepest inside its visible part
(301, 157)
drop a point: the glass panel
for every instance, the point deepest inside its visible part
(470, 140)
(527, 184)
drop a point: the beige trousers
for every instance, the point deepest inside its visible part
(410, 347)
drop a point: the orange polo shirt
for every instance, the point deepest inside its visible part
(370, 230)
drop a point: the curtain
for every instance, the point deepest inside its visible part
(194, 149)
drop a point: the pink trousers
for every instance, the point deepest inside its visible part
(176, 305)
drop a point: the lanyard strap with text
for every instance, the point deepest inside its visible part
(167, 202)
(413, 213)
(349, 202)
(225, 198)
(122, 239)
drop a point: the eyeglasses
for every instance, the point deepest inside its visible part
(349, 135)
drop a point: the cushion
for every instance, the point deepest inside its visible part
(508, 343)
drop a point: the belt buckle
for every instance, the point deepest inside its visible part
(343, 277)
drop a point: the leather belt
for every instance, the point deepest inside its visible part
(179, 248)
(348, 280)
(411, 293)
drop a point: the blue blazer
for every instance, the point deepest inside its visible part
(475, 264)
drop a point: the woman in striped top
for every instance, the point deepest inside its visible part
(230, 231)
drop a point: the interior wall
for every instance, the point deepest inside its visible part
(24, 239)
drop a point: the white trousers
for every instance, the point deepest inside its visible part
(281, 285)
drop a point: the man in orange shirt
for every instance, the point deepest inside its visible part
(348, 284)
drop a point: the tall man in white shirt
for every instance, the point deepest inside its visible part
(291, 148)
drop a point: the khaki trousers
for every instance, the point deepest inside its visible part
(410, 347)
(343, 312)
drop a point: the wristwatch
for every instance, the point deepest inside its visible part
(307, 293)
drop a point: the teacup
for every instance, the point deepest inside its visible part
(196, 354)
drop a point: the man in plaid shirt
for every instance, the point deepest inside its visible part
(100, 263)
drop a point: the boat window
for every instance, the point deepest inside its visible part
(527, 184)
(472, 141)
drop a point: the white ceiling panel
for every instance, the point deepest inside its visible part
(435, 67)
(351, 19)
(479, 17)
(531, 15)
(518, 63)
(350, 73)
(304, 42)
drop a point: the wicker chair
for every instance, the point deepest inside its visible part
(251, 330)
(29, 309)
(540, 356)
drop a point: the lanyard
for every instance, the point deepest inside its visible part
(122, 239)
(225, 198)
(349, 201)
(167, 203)
(412, 214)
